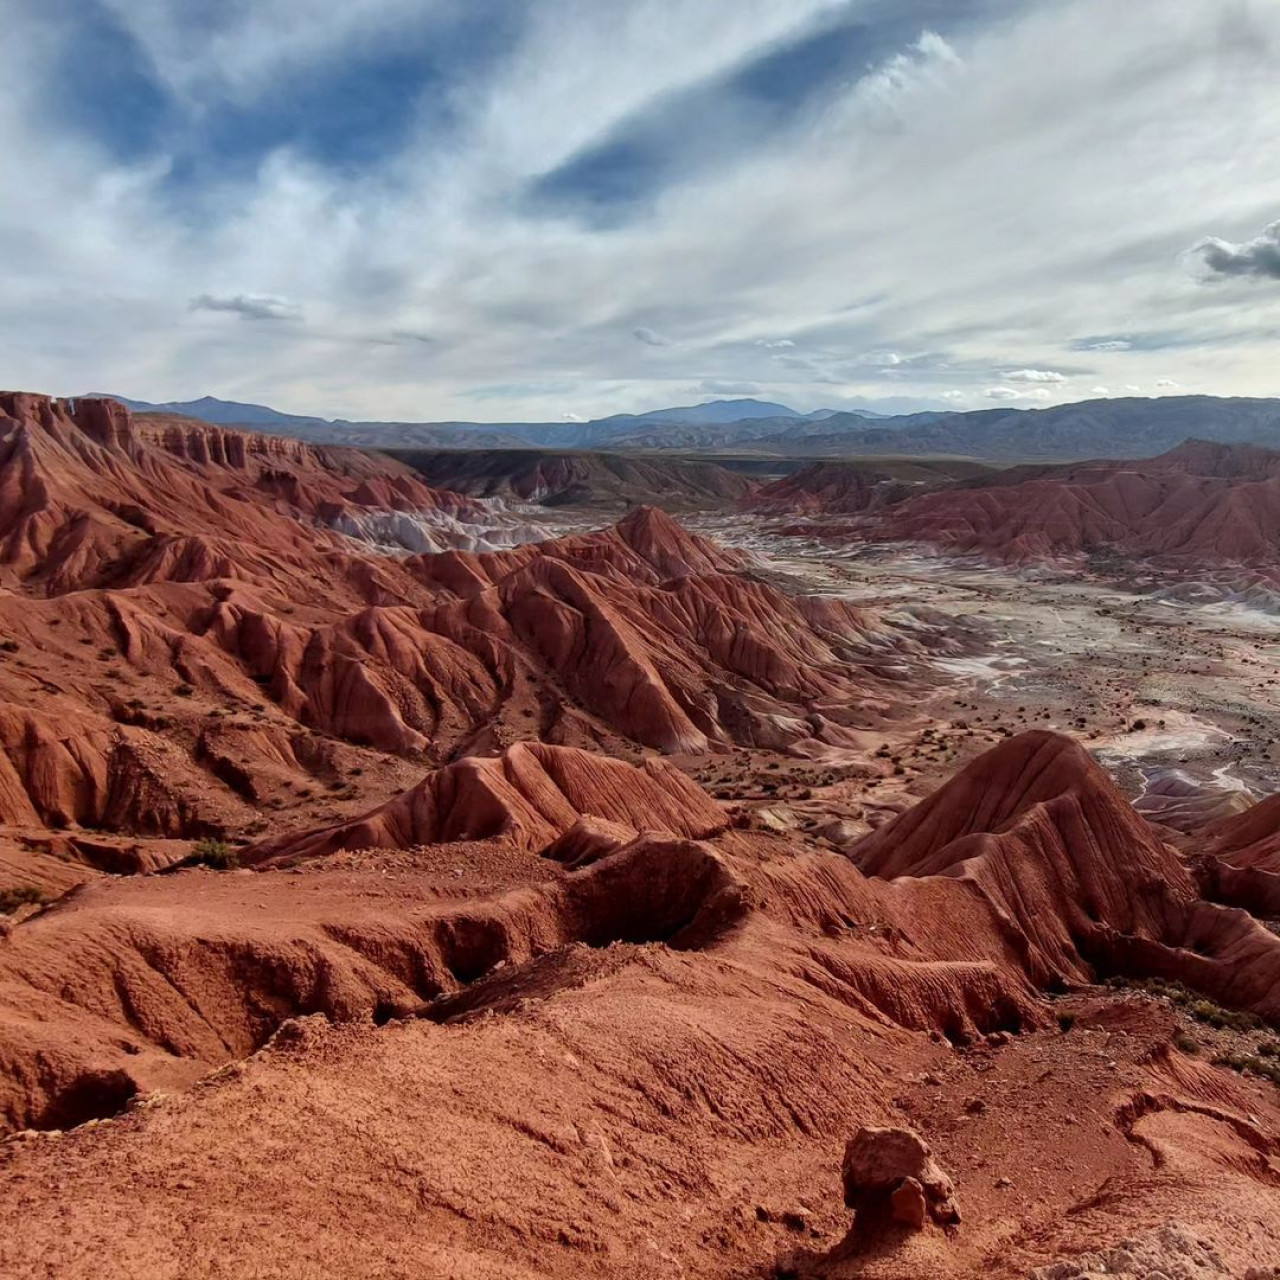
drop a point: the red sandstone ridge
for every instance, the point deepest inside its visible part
(1200, 504)
(515, 1007)
(92, 497)
(1240, 862)
(529, 796)
(1080, 882)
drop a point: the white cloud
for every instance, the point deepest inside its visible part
(1099, 391)
(1167, 384)
(1034, 375)
(1015, 393)
(930, 206)
(719, 387)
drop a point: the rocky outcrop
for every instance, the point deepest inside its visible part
(891, 1175)
(1081, 883)
(530, 797)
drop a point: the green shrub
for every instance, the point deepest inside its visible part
(20, 896)
(215, 853)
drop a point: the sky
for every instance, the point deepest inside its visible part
(542, 210)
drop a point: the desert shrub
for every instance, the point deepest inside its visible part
(1066, 1021)
(210, 852)
(20, 896)
(183, 690)
(1186, 1043)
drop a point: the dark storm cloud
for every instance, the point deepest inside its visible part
(1257, 259)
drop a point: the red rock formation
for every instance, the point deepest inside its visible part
(1080, 881)
(182, 623)
(1201, 504)
(529, 796)
(726, 1009)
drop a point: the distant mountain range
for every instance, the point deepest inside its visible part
(715, 424)
(1122, 428)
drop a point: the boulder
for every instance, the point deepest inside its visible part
(893, 1172)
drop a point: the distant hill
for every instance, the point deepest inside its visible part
(1200, 505)
(211, 409)
(714, 411)
(1127, 428)
(1119, 428)
(695, 425)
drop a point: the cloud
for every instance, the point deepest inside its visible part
(850, 191)
(1034, 375)
(1167, 384)
(650, 338)
(1099, 391)
(252, 306)
(1257, 259)
(1013, 393)
(719, 387)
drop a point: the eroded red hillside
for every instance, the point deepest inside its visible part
(647, 1065)
(204, 628)
(1201, 504)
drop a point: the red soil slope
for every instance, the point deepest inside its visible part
(648, 1066)
(1241, 862)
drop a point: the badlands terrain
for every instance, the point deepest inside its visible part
(873, 873)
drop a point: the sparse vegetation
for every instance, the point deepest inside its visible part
(1253, 1064)
(20, 896)
(218, 854)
